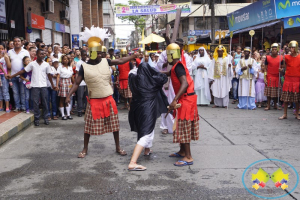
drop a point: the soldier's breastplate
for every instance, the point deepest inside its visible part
(246, 73)
(98, 78)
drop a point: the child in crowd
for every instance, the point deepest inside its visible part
(26, 78)
(65, 79)
(52, 94)
(235, 81)
(260, 86)
(4, 88)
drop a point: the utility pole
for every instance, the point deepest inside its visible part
(212, 7)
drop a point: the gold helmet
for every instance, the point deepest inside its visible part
(94, 37)
(146, 53)
(294, 44)
(104, 50)
(247, 49)
(123, 52)
(173, 52)
(275, 45)
(220, 48)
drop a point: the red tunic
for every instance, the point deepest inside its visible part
(188, 108)
(124, 70)
(292, 74)
(273, 71)
(183, 58)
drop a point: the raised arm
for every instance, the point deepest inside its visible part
(124, 60)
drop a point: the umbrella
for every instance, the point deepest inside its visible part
(152, 38)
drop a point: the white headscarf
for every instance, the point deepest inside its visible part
(201, 77)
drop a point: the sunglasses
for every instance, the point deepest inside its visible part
(43, 46)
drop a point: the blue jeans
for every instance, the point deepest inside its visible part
(235, 86)
(4, 92)
(52, 97)
(19, 93)
(28, 99)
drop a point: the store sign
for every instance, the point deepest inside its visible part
(199, 32)
(291, 22)
(122, 11)
(2, 12)
(59, 27)
(256, 13)
(192, 39)
(75, 41)
(287, 8)
(12, 24)
(37, 21)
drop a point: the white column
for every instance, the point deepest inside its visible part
(75, 18)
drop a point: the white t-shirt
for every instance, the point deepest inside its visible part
(53, 72)
(65, 72)
(16, 60)
(3, 63)
(58, 56)
(78, 65)
(39, 73)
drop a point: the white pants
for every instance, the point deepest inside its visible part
(221, 102)
(147, 140)
(167, 123)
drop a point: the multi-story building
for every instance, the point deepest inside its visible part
(121, 43)
(109, 21)
(155, 23)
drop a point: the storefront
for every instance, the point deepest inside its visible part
(47, 33)
(58, 34)
(67, 38)
(37, 25)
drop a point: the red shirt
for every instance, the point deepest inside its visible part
(292, 65)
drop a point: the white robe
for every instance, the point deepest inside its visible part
(244, 84)
(221, 87)
(201, 82)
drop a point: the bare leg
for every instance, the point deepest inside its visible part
(180, 152)
(7, 104)
(268, 103)
(284, 116)
(1, 104)
(297, 110)
(85, 147)
(188, 155)
(62, 101)
(275, 104)
(136, 153)
(117, 142)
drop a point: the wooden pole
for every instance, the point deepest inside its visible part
(176, 25)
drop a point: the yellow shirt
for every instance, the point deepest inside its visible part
(267, 45)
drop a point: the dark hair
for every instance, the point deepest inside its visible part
(31, 48)
(17, 37)
(26, 44)
(83, 52)
(62, 58)
(2, 44)
(66, 45)
(71, 52)
(24, 58)
(39, 50)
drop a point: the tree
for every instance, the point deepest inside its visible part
(138, 21)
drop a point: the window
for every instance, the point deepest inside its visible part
(185, 25)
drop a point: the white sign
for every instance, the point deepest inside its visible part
(2, 12)
(48, 24)
(12, 23)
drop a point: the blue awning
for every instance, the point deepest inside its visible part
(257, 27)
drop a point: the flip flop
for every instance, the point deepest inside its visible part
(122, 152)
(281, 118)
(184, 163)
(137, 168)
(176, 156)
(81, 155)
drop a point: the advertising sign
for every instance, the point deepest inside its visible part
(256, 13)
(287, 8)
(2, 12)
(199, 32)
(192, 39)
(291, 22)
(59, 27)
(152, 9)
(37, 21)
(75, 41)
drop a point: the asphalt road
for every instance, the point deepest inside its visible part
(41, 162)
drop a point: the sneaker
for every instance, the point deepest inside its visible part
(27, 112)
(7, 111)
(16, 110)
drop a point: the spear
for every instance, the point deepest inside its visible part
(281, 31)
(251, 33)
(231, 35)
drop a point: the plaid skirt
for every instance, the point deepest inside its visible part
(290, 96)
(102, 125)
(186, 131)
(272, 92)
(65, 85)
(126, 92)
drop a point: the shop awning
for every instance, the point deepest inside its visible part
(257, 27)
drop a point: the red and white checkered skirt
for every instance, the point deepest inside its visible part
(102, 125)
(125, 92)
(186, 130)
(65, 85)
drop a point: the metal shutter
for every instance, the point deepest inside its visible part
(47, 36)
(34, 35)
(291, 37)
(58, 38)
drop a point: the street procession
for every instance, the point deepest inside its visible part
(149, 99)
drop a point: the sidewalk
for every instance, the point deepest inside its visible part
(12, 123)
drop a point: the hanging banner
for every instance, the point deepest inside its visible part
(75, 41)
(152, 9)
(287, 8)
(2, 12)
(59, 27)
(37, 21)
(291, 22)
(256, 13)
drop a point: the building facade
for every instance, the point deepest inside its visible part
(109, 22)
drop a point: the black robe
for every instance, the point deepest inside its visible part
(148, 99)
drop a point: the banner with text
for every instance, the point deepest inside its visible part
(122, 11)
(287, 8)
(291, 22)
(256, 13)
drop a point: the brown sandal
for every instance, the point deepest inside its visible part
(122, 152)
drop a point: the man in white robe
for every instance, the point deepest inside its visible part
(201, 66)
(220, 72)
(246, 70)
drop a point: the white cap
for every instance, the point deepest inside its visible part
(156, 54)
(54, 60)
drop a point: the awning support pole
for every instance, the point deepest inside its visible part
(262, 38)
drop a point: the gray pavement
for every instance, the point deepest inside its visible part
(41, 162)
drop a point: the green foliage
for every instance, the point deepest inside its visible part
(138, 21)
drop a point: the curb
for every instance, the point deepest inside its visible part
(15, 130)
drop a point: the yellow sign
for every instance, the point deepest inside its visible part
(252, 32)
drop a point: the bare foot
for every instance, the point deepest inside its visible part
(121, 152)
(282, 117)
(83, 153)
(215, 106)
(135, 167)
(267, 108)
(147, 152)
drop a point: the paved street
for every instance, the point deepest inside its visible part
(42, 163)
